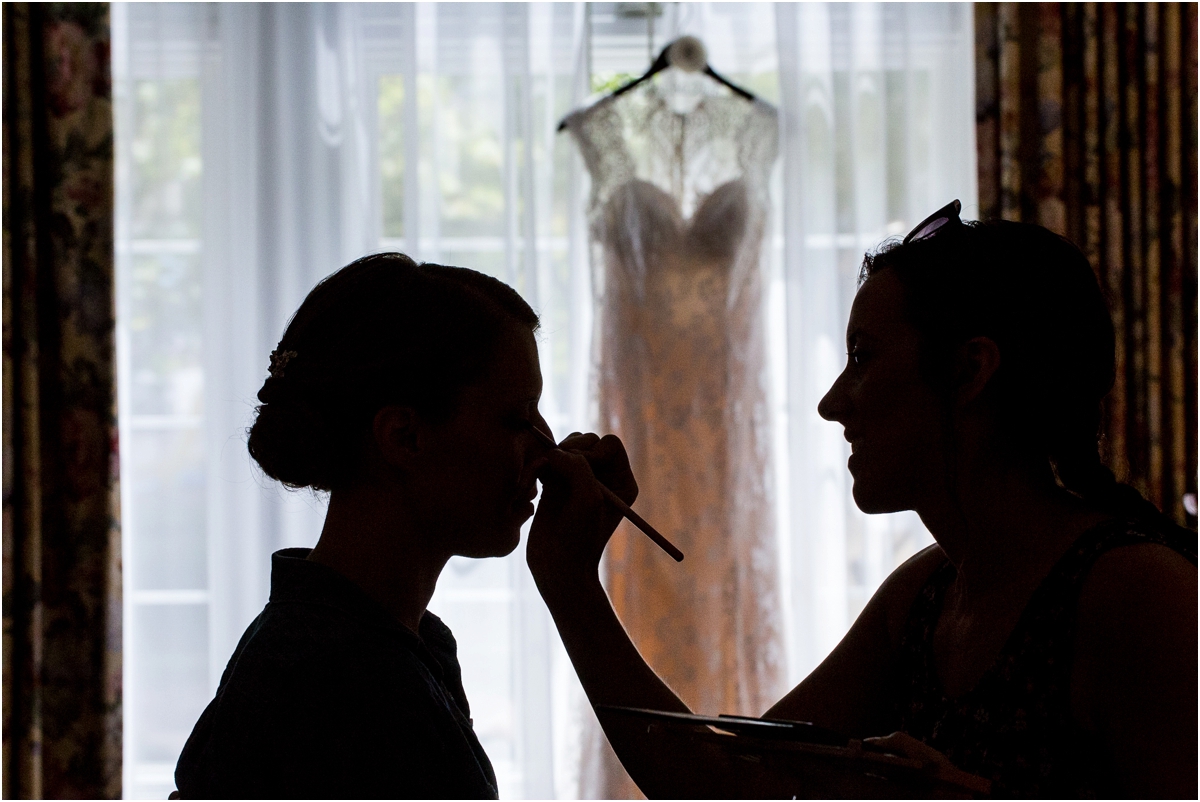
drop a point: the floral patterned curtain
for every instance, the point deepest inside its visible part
(62, 586)
(1086, 124)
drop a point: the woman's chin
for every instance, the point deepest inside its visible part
(500, 543)
(510, 540)
(870, 500)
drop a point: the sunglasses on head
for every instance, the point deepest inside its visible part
(947, 215)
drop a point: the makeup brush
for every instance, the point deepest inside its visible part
(616, 501)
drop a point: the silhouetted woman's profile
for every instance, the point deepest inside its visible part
(1047, 642)
(406, 391)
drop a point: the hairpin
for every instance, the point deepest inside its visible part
(279, 361)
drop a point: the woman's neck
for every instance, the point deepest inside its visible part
(370, 538)
(1002, 527)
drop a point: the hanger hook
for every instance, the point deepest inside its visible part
(687, 53)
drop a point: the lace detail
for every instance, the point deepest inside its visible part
(1015, 726)
(677, 210)
(640, 135)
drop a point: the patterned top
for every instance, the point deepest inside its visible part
(1015, 726)
(329, 697)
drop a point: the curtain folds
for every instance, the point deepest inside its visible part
(287, 199)
(876, 133)
(62, 588)
(1086, 124)
(261, 147)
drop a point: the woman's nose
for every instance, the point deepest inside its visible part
(831, 405)
(541, 424)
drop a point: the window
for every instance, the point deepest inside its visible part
(261, 146)
(161, 382)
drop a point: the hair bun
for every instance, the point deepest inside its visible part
(291, 443)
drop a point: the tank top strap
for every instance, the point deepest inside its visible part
(1042, 645)
(1073, 567)
(1066, 578)
(917, 670)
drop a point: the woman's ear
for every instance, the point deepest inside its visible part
(976, 363)
(398, 435)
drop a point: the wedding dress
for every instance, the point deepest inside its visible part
(678, 209)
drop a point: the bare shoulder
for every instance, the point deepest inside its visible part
(896, 595)
(1135, 581)
(915, 571)
(1136, 629)
(1134, 678)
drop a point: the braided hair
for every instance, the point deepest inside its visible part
(382, 330)
(1036, 296)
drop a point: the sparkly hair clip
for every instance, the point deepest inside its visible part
(279, 361)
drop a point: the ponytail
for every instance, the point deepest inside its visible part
(1080, 471)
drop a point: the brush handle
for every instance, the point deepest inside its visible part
(624, 508)
(640, 523)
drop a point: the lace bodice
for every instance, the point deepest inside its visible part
(642, 135)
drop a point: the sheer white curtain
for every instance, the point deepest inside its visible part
(286, 132)
(878, 131)
(262, 146)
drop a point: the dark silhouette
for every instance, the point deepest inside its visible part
(407, 391)
(1047, 642)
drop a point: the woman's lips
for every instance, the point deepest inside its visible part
(524, 501)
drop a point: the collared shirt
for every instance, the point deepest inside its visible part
(328, 696)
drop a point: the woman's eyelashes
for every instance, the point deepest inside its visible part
(856, 354)
(519, 422)
(522, 419)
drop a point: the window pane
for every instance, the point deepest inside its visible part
(474, 598)
(165, 150)
(164, 324)
(170, 661)
(165, 468)
(391, 153)
(462, 114)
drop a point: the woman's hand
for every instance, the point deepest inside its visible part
(568, 535)
(574, 522)
(903, 744)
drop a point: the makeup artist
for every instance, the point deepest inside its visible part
(1047, 641)
(408, 392)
